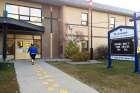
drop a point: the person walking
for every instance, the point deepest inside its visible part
(32, 51)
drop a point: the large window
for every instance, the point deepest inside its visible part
(112, 22)
(32, 15)
(84, 19)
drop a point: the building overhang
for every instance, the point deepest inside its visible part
(19, 26)
(84, 4)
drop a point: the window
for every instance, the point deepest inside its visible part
(31, 15)
(84, 19)
(35, 12)
(13, 16)
(24, 11)
(35, 19)
(12, 9)
(112, 22)
(24, 18)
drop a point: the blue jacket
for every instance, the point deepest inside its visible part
(33, 50)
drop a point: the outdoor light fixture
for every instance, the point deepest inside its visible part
(90, 3)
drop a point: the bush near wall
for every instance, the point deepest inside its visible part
(101, 52)
(71, 48)
(72, 51)
(80, 56)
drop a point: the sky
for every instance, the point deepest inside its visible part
(128, 4)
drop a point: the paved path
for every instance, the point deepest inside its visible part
(44, 78)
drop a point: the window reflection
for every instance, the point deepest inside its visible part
(24, 10)
(35, 19)
(12, 9)
(84, 18)
(31, 15)
(112, 22)
(38, 45)
(24, 18)
(36, 23)
(13, 16)
(35, 12)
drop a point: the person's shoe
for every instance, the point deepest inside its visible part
(33, 63)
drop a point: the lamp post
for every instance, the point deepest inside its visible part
(51, 35)
(90, 3)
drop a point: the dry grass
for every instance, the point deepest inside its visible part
(120, 79)
(8, 81)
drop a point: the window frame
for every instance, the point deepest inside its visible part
(25, 15)
(114, 23)
(84, 20)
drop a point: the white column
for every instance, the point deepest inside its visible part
(51, 45)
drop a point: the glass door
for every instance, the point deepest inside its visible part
(21, 51)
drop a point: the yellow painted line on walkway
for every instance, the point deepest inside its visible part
(50, 88)
(45, 83)
(55, 85)
(64, 91)
(48, 81)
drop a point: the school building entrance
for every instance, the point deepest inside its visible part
(16, 37)
(18, 45)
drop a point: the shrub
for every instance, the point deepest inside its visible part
(71, 49)
(80, 56)
(101, 52)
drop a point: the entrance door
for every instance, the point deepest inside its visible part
(22, 48)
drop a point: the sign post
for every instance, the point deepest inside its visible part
(109, 53)
(136, 44)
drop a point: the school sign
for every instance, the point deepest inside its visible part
(122, 45)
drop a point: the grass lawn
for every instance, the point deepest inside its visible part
(120, 79)
(8, 81)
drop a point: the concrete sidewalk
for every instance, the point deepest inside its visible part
(44, 78)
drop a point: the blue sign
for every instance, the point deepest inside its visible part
(122, 45)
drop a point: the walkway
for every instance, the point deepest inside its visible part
(44, 78)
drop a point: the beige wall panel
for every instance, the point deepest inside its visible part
(1, 7)
(77, 30)
(99, 42)
(100, 19)
(100, 32)
(72, 15)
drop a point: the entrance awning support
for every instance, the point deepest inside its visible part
(4, 29)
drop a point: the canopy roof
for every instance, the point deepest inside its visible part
(19, 26)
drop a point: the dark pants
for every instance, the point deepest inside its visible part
(33, 56)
